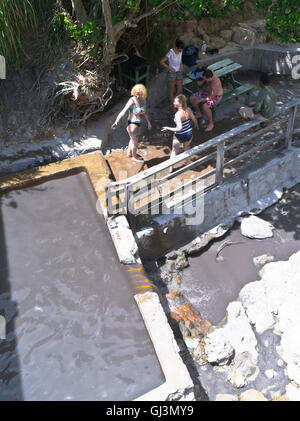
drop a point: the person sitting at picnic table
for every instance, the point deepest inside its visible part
(264, 107)
(183, 131)
(172, 61)
(136, 106)
(209, 98)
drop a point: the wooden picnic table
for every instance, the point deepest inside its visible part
(225, 70)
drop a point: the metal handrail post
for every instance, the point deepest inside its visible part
(220, 162)
(290, 127)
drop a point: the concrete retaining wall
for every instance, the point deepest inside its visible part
(263, 58)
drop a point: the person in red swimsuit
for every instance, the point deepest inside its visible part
(209, 98)
(136, 106)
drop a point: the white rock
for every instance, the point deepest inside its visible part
(290, 352)
(262, 260)
(191, 342)
(254, 227)
(239, 331)
(237, 335)
(223, 397)
(252, 395)
(255, 302)
(292, 392)
(272, 302)
(218, 348)
(145, 232)
(270, 373)
(275, 394)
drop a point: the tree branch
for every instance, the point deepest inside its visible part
(120, 26)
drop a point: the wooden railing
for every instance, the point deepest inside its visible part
(158, 191)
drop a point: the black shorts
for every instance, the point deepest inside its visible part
(137, 123)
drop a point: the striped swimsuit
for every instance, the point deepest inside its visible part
(185, 134)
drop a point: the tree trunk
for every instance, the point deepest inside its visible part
(80, 11)
(114, 32)
(110, 42)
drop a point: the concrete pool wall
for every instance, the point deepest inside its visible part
(178, 383)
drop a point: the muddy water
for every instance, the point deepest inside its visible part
(73, 329)
(210, 284)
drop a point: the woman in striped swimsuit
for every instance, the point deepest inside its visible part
(136, 106)
(183, 132)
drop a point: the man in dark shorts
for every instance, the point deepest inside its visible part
(209, 97)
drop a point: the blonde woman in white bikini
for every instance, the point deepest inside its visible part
(136, 106)
(183, 132)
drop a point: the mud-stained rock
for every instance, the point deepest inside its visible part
(199, 354)
(182, 395)
(171, 266)
(181, 262)
(190, 321)
(173, 294)
(243, 370)
(177, 278)
(172, 255)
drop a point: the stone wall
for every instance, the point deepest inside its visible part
(244, 27)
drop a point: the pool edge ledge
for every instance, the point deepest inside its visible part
(178, 384)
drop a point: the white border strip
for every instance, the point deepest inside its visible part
(178, 381)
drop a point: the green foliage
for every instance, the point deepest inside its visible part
(58, 30)
(131, 4)
(16, 17)
(156, 46)
(207, 8)
(90, 33)
(283, 19)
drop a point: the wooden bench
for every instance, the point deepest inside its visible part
(244, 89)
(225, 70)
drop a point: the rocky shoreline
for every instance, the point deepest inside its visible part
(231, 350)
